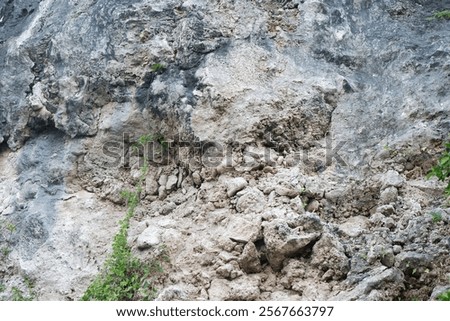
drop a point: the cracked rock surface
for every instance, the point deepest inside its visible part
(290, 144)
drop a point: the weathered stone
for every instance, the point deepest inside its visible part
(386, 209)
(162, 181)
(354, 226)
(392, 179)
(168, 208)
(438, 291)
(249, 260)
(334, 195)
(243, 288)
(197, 178)
(389, 281)
(285, 191)
(171, 182)
(313, 206)
(389, 195)
(388, 258)
(151, 186)
(235, 185)
(243, 231)
(229, 271)
(151, 237)
(162, 192)
(410, 262)
(253, 200)
(329, 254)
(282, 241)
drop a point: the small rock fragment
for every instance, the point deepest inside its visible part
(171, 182)
(235, 185)
(149, 238)
(249, 259)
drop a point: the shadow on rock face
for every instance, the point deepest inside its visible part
(41, 168)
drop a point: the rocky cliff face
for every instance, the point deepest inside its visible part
(291, 141)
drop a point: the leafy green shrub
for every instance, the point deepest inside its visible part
(442, 169)
(444, 296)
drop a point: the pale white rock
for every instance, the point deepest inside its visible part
(354, 226)
(392, 178)
(171, 182)
(242, 231)
(242, 288)
(197, 178)
(285, 191)
(162, 181)
(151, 237)
(235, 185)
(252, 200)
(151, 186)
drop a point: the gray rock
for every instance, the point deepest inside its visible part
(235, 185)
(171, 182)
(244, 288)
(392, 179)
(282, 242)
(334, 195)
(413, 262)
(285, 191)
(379, 284)
(173, 293)
(162, 181)
(389, 195)
(397, 249)
(354, 226)
(252, 200)
(151, 186)
(162, 193)
(168, 208)
(243, 231)
(313, 206)
(151, 237)
(197, 178)
(329, 254)
(229, 271)
(249, 260)
(388, 258)
(386, 210)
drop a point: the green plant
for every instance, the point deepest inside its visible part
(2, 287)
(145, 139)
(161, 140)
(441, 15)
(148, 138)
(18, 295)
(125, 277)
(444, 296)
(442, 169)
(158, 68)
(6, 251)
(436, 217)
(11, 227)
